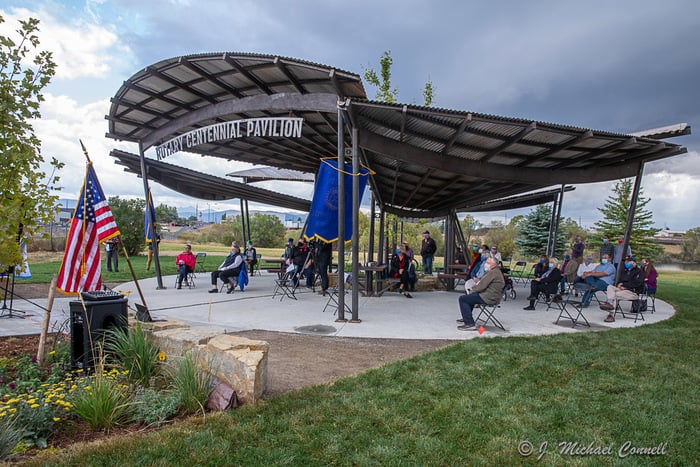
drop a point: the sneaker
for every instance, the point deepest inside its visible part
(607, 307)
(408, 295)
(609, 319)
(465, 327)
(529, 308)
(460, 321)
(230, 290)
(213, 290)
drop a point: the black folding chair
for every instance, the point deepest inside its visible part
(569, 306)
(518, 273)
(333, 301)
(286, 285)
(199, 264)
(488, 311)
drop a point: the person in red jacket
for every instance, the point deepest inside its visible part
(185, 264)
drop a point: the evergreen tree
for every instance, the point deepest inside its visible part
(534, 233)
(615, 219)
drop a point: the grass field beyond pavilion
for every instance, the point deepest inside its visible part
(574, 397)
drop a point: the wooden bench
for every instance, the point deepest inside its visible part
(451, 281)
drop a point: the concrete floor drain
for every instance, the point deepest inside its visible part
(316, 329)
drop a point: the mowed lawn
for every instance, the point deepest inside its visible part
(588, 398)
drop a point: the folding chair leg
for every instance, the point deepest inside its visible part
(489, 311)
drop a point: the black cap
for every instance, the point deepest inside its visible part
(630, 258)
(426, 232)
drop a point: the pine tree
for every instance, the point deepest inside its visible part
(534, 233)
(615, 219)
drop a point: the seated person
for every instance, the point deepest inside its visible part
(496, 254)
(476, 258)
(231, 267)
(488, 291)
(541, 266)
(587, 266)
(409, 250)
(547, 283)
(568, 273)
(650, 275)
(599, 279)
(400, 264)
(477, 273)
(302, 260)
(185, 264)
(459, 257)
(630, 286)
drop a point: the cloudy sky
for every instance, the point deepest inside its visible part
(621, 66)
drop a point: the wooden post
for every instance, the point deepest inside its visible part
(45, 323)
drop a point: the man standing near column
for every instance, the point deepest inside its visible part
(427, 252)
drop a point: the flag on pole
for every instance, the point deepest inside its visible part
(149, 220)
(92, 224)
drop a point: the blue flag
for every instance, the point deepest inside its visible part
(149, 218)
(323, 217)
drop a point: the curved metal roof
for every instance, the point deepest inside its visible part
(427, 161)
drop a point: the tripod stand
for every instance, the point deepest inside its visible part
(5, 311)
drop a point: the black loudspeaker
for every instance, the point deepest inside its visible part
(87, 328)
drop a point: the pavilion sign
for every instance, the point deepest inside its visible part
(282, 127)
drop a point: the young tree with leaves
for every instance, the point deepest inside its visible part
(25, 199)
(615, 219)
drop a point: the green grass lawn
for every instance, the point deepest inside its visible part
(472, 403)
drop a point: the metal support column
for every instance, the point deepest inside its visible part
(370, 247)
(151, 227)
(381, 252)
(555, 234)
(242, 222)
(550, 243)
(630, 218)
(341, 216)
(355, 229)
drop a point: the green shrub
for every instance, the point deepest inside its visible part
(192, 385)
(101, 400)
(153, 408)
(136, 353)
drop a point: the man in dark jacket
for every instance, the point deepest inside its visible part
(230, 268)
(488, 291)
(427, 252)
(547, 283)
(630, 286)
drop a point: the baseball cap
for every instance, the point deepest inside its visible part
(427, 232)
(630, 258)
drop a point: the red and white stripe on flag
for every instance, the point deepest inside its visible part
(92, 224)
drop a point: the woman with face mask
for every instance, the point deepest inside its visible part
(399, 270)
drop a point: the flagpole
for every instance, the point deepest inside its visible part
(133, 273)
(151, 227)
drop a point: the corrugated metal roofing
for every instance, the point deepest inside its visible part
(427, 161)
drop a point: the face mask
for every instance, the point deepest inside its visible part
(605, 240)
(620, 242)
(481, 250)
(474, 248)
(567, 257)
(398, 252)
(487, 267)
(541, 261)
(604, 261)
(628, 265)
(644, 264)
(551, 266)
(588, 261)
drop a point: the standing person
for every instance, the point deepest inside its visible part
(185, 262)
(112, 248)
(301, 258)
(495, 254)
(650, 275)
(427, 252)
(607, 249)
(577, 250)
(230, 267)
(619, 254)
(150, 250)
(324, 254)
(251, 256)
(488, 291)
(400, 264)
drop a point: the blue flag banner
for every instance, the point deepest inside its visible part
(323, 217)
(149, 217)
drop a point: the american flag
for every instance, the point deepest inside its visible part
(92, 224)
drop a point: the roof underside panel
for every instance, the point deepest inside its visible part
(427, 161)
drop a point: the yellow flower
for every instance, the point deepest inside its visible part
(52, 352)
(56, 419)
(161, 356)
(34, 406)
(2, 414)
